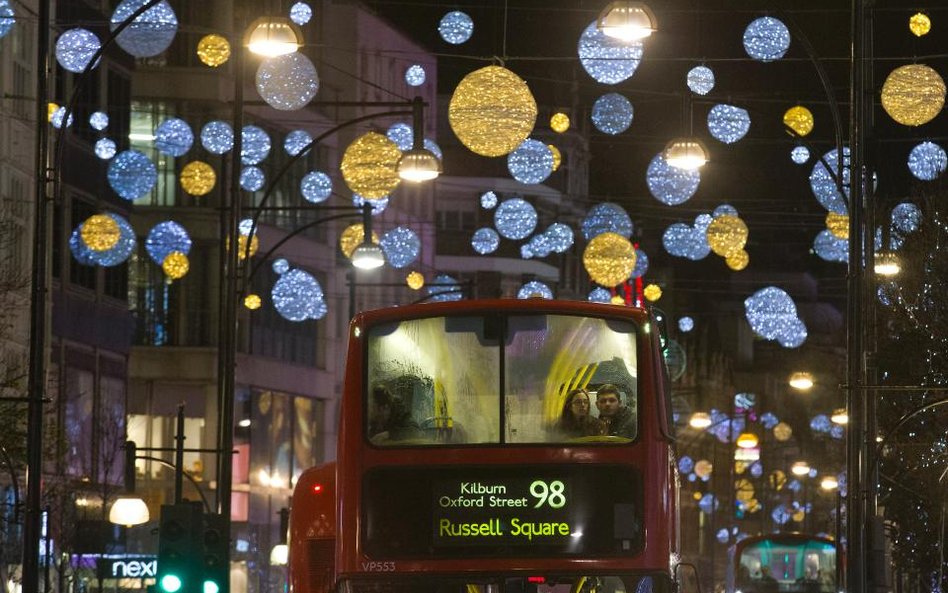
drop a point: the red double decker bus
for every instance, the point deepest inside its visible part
(456, 474)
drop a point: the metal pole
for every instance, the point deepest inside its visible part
(179, 456)
(37, 371)
(351, 276)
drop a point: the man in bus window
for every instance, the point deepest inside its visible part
(616, 418)
(390, 418)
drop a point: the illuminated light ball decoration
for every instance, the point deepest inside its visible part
(728, 123)
(370, 166)
(51, 109)
(7, 19)
(823, 184)
(197, 178)
(599, 295)
(253, 301)
(515, 219)
(738, 260)
(682, 240)
(432, 146)
(780, 515)
(316, 187)
(724, 209)
(723, 535)
(352, 237)
(772, 315)
(766, 39)
(57, 118)
(821, 423)
(252, 178)
(150, 33)
(456, 27)
(534, 289)
(906, 217)
(213, 50)
(485, 241)
(670, 185)
(913, 95)
(132, 174)
(255, 145)
(297, 296)
(401, 247)
(176, 265)
(708, 504)
(612, 114)
(799, 119)
(540, 246)
(105, 148)
(296, 141)
(301, 13)
(80, 252)
(415, 75)
(280, 266)
(652, 292)
(492, 111)
(830, 247)
(378, 206)
(686, 324)
(560, 237)
(703, 469)
(75, 49)
(488, 200)
(217, 137)
(641, 264)
(838, 224)
(609, 259)
(401, 134)
(100, 232)
(122, 249)
(726, 234)
(531, 162)
(173, 137)
(444, 288)
(167, 237)
(557, 156)
(927, 161)
(920, 24)
(606, 218)
(288, 82)
(415, 280)
(800, 155)
(244, 250)
(99, 120)
(606, 59)
(700, 80)
(559, 122)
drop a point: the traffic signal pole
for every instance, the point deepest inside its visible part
(179, 456)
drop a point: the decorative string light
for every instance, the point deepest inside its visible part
(534, 289)
(132, 174)
(75, 48)
(913, 95)
(492, 111)
(515, 219)
(150, 34)
(415, 75)
(766, 39)
(197, 178)
(607, 59)
(456, 27)
(612, 114)
(287, 82)
(700, 80)
(217, 137)
(370, 166)
(559, 122)
(213, 50)
(173, 137)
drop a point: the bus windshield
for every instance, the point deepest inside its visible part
(501, 379)
(530, 584)
(805, 566)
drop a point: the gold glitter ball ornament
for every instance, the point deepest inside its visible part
(352, 237)
(744, 489)
(557, 156)
(617, 299)
(370, 166)
(782, 431)
(559, 123)
(652, 293)
(100, 232)
(415, 280)
(198, 178)
(213, 50)
(609, 259)
(799, 515)
(913, 95)
(176, 265)
(920, 24)
(778, 479)
(738, 260)
(252, 302)
(492, 111)
(726, 234)
(51, 109)
(799, 119)
(838, 225)
(242, 246)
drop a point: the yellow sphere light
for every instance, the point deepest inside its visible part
(100, 232)
(352, 237)
(744, 490)
(370, 166)
(176, 265)
(557, 156)
(252, 302)
(727, 234)
(652, 293)
(51, 109)
(213, 50)
(799, 119)
(738, 260)
(783, 432)
(492, 111)
(609, 259)
(913, 95)
(920, 24)
(242, 246)
(559, 123)
(617, 300)
(415, 280)
(198, 178)
(838, 225)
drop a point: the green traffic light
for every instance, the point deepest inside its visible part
(211, 587)
(171, 583)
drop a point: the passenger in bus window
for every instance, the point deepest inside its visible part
(390, 418)
(616, 418)
(575, 419)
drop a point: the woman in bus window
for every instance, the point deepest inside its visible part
(575, 420)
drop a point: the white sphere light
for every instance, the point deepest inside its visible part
(766, 39)
(641, 264)
(174, 137)
(488, 200)
(485, 240)
(531, 162)
(906, 217)
(217, 137)
(316, 187)
(99, 121)
(296, 141)
(287, 82)
(606, 218)
(612, 114)
(57, 118)
(75, 49)
(728, 123)
(534, 289)
(301, 13)
(671, 185)
(607, 59)
(105, 148)
(401, 247)
(415, 75)
(165, 237)
(830, 247)
(823, 183)
(599, 295)
(132, 174)
(297, 296)
(402, 135)
(456, 27)
(252, 179)
(7, 19)
(800, 154)
(378, 205)
(927, 161)
(560, 237)
(150, 33)
(515, 219)
(700, 80)
(255, 145)
(443, 288)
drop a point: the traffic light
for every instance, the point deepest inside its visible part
(216, 568)
(180, 548)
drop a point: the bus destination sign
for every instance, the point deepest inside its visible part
(502, 511)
